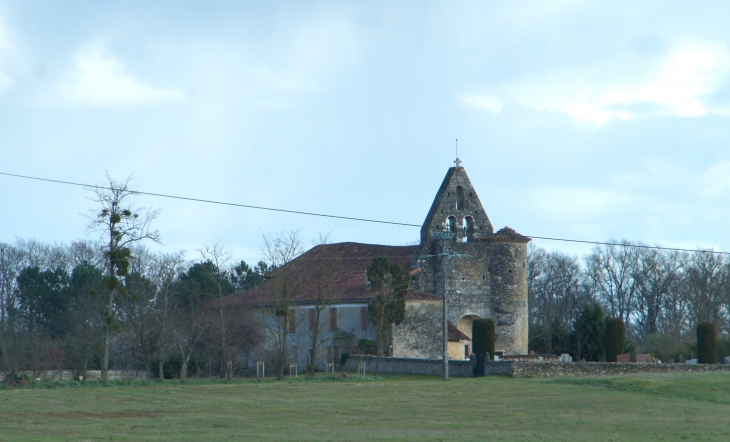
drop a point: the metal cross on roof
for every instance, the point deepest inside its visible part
(458, 162)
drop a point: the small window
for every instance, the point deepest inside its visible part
(312, 319)
(333, 319)
(460, 203)
(292, 321)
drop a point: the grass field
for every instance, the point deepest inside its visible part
(658, 407)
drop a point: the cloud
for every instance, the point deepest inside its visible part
(487, 102)
(100, 79)
(7, 50)
(647, 79)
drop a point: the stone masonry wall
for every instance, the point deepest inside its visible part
(508, 271)
(429, 367)
(420, 335)
(524, 369)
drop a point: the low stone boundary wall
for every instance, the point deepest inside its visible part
(91, 375)
(429, 367)
(525, 369)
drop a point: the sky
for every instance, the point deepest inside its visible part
(575, 119)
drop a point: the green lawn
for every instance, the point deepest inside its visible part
(665, 407)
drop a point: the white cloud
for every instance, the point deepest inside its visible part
(626, 85)
(6, 52)
(100, 79)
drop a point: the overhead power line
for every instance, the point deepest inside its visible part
(639, 246)
(347, 218)
(222, 203)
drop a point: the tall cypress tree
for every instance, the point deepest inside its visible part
(615, 338)
(483, 335)
(706, 352)
(589, 333)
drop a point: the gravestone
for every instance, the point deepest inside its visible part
(691, 362)
(565, 357)
(645, 358)
(625, 357)
(727, 359)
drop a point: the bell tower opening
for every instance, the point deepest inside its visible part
(468, 228)
(451, 224)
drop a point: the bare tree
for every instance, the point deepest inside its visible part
(657, 274)
(189, 330)
(322, 273)
(708, 288)
(556, 295)
(10, 267)
(165, 269)
(611, 270)
(120, 225)
(224, 326)
(388, 283)
(279, 250)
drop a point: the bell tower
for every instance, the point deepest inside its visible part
(456, 212)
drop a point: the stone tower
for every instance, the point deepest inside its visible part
(484, 274)
(508, 278)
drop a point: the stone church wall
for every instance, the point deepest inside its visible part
(420, 334)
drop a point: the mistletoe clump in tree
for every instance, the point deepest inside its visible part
(120, 225)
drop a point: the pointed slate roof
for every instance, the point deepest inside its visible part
(456, 198)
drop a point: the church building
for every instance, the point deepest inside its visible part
(482, 273)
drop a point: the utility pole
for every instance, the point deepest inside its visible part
(445, 311)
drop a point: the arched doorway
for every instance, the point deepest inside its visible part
(465, 323)
(462, 348)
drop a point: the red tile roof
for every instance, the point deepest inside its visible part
(342, 265)
(455, 334)
(508, 235)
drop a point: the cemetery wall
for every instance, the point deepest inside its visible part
(525, 369)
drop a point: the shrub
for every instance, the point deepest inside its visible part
(615, 338)
(483, 337)
(343, 358)
(588, 334)
(706, 353)
(722, 345)
(366, 346)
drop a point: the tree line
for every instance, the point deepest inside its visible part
(660, 295)
(167, 317)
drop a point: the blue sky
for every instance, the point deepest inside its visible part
(575, 119)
